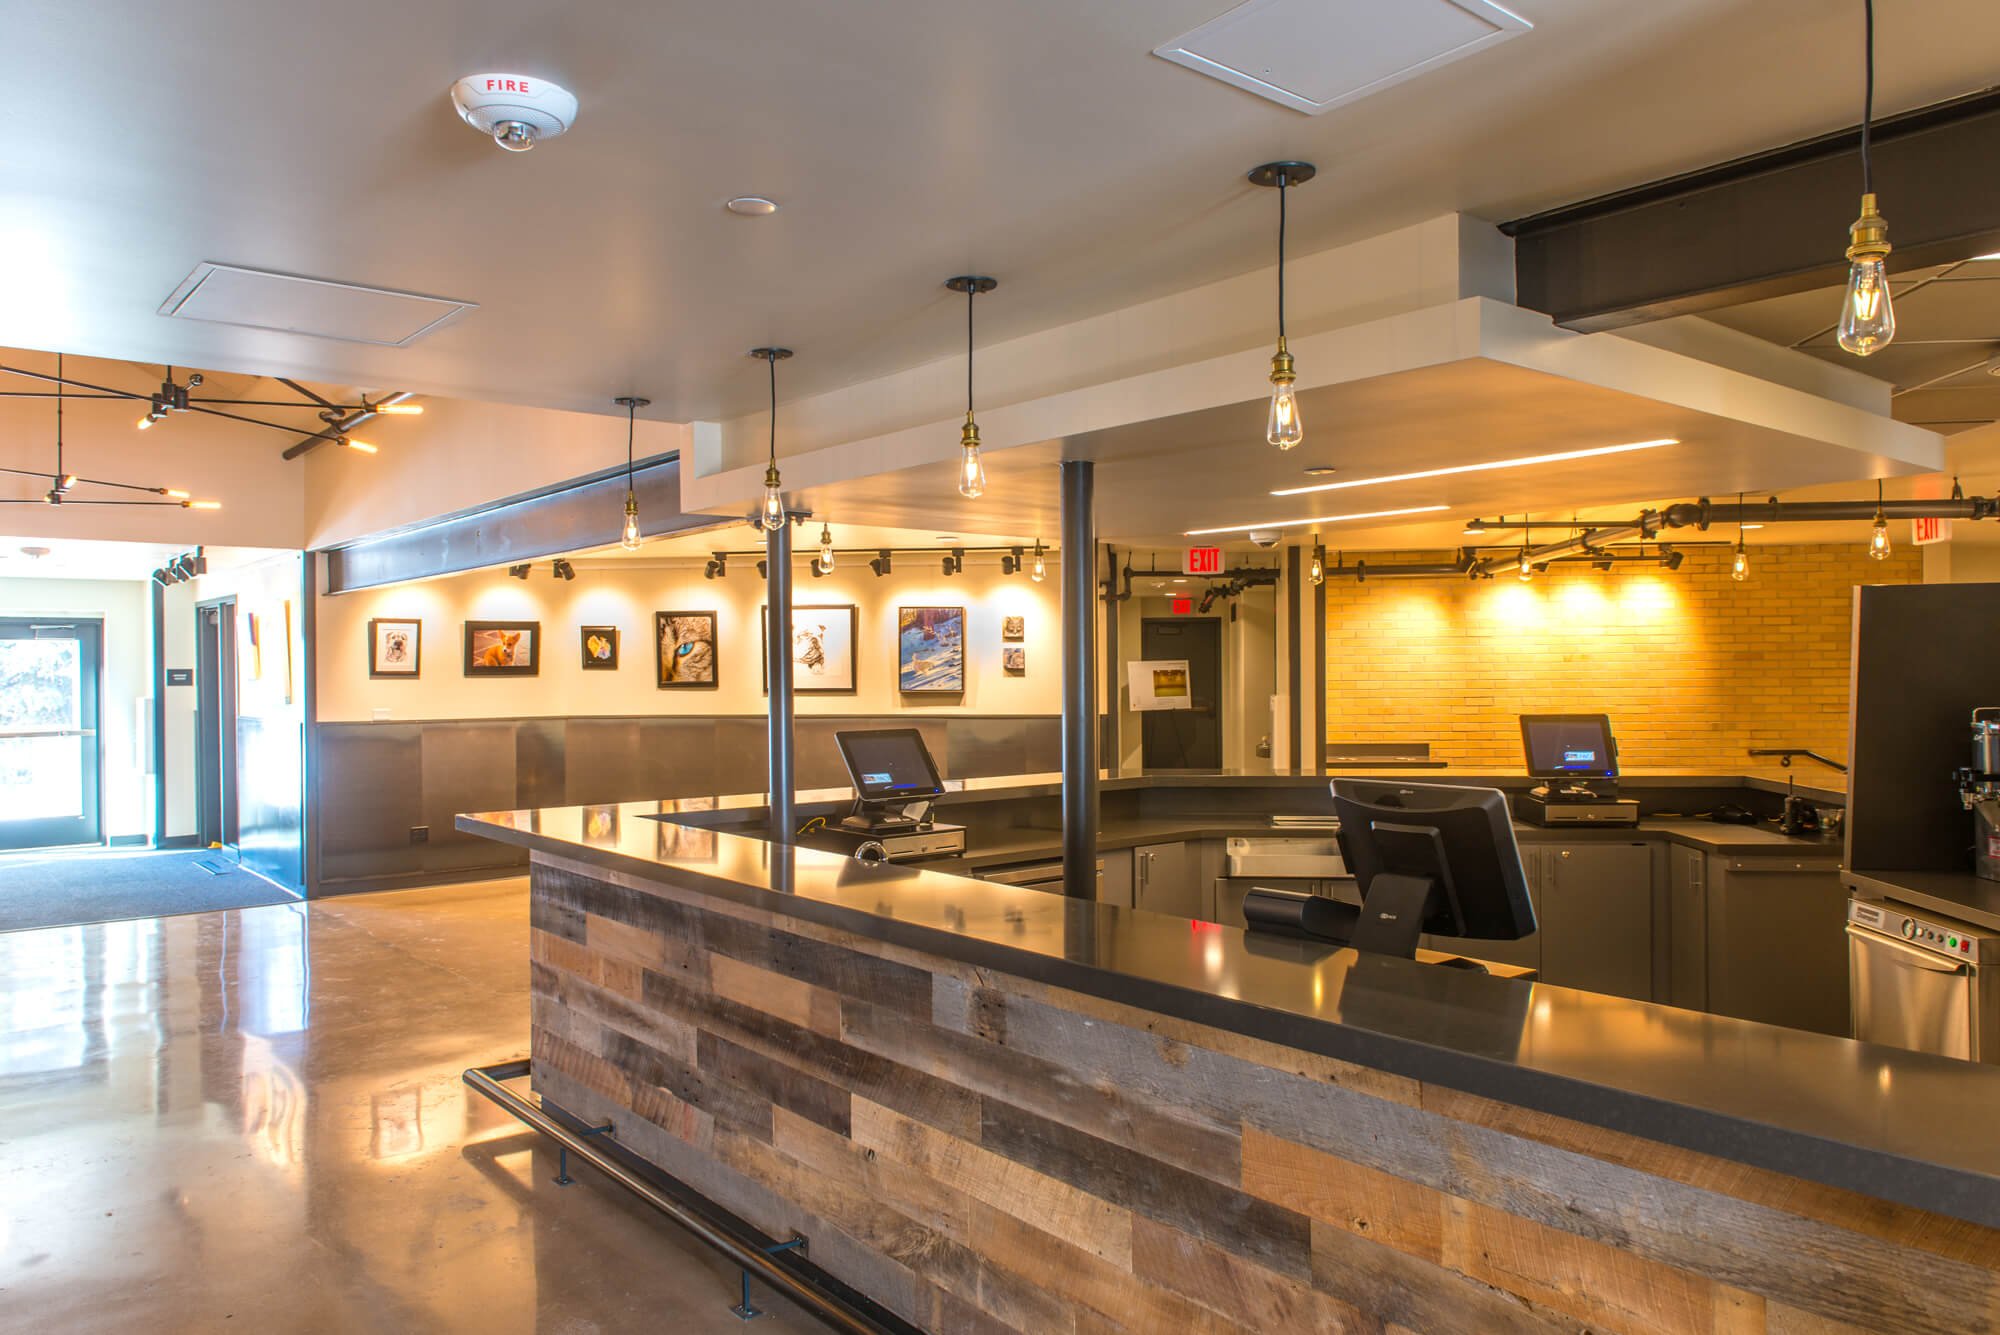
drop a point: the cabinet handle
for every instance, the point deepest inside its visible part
(1565, 853)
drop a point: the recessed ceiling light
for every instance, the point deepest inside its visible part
(1321, 470)
(752, 206)
(945, 537)
(1748, 527)
(1322, 519)
(1559, 457)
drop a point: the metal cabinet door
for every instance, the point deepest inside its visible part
(1163, 880)
(1777, 941)
(1597, 918)
(1114, 883)
(1687, 918)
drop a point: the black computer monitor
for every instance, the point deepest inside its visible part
(1431, 858)
(889, 765)
(1569, 746)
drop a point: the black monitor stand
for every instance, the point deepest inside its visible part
(1577, 790)
(1393, 914)
(871, 816)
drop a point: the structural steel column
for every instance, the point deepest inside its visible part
(781, 781)
(1079, 678)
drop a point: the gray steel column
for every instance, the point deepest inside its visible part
(1079, 678)
(778, 671)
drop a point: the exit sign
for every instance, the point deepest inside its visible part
(1928, 531)
(1201, 561)
(1183, 607)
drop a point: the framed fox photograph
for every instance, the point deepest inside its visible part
(503, 648)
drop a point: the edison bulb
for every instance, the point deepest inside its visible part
(1867, 317)
(1040, 570)
(1284, 429)
(772, 515)
(629, 539)
(1318, 571)
(971, 473)
(825, 550)
(1526, 568)
(1739, 569)
(1878, 541)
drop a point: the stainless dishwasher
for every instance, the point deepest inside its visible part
(1923, 982)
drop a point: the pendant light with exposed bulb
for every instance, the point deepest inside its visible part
(63, 483)
(1282, 427)
(825, 558)
(1039, 571)
(1867, 319)
(1878, 541)
(971, 469)
(629, 539)
(771, 513)
(1317, 571)
(1739, 569)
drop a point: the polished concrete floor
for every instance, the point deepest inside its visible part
(253, 1120)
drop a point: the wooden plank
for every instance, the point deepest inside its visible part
(789, 999)
(1100, 1228)
(1406, 1293)
(650, 950)
(1233, 1287)
(722, 1063)
(837, 968)
(730, 1102)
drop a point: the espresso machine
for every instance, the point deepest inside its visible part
(1979, 789)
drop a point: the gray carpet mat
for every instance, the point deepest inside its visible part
(66, 889)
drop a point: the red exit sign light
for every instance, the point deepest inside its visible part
(1183, 607)
(1201, 561)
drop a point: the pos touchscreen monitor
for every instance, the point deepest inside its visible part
(1569, 746)
(889, 765)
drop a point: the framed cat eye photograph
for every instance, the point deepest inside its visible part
(503, 648)
(822, 649)
(685, 649)
(600, 648)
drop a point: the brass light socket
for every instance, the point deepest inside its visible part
(1868, 236)
(771, 478)
(1281, 366)
(969, 437)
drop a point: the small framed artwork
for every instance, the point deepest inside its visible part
(600, 648)
(1013, 629)
(1014, 658)
(822, 649)
(685, 649)
(930, 650)
(503, 648)
(395, 648)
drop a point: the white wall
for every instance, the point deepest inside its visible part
(125, 700)
(626, 594)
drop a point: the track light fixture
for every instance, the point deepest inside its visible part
(1475, 527)
(1013, 561)
(1283, 428)
(171, 398)
(563, 570)
(62, 482)
(763, 568)
(882, 564)
(717, 567)
(1878, 541)
(1039, 571)
(519, 571)
(1867, 319)
(823, 565)
(772, 513)
(1670, 557)
(954, 561)
(629, 537)
(971, 469)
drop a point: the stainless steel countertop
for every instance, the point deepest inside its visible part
(1899, 1125)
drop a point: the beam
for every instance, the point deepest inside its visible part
(1765, 225)
(1079, 678)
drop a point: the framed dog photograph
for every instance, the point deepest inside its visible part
(503, 648)
(822, 649)
(395, 648)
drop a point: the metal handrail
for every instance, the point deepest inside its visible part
(752, 1252)
(1787, 752)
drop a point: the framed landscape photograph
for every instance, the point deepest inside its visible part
(930, 650)
(395, 648)
(503, 648)
(684, 648)
(822, 649)
(600, 648)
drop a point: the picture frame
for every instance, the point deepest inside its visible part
(930, 650)
(396, 647)
(684, 651)
(1014, 660)
(599, 646)
(1013, 629)
(503, 648)
(823, 649)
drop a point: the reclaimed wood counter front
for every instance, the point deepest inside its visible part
(994, 1109)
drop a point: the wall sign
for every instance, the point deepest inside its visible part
(1924, 532)
(1201, 561)
(180, 676)
(1183, 607)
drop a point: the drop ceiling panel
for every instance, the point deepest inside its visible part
(1951, 408)
(1905, 363)
(348, 312)
(1315, 55)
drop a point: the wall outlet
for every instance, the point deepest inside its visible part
(420, 834)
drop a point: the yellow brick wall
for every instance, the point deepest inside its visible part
(1694, 668)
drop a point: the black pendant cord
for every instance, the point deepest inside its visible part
(1283, 186)
(59, 417)
(774, 410)
(631, 421)
(970, 291)
(1867, 93)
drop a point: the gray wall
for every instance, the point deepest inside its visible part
(373, 781)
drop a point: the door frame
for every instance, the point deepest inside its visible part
(1221, 693)
(219, 678)
(92, 629)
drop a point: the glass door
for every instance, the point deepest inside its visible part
(48, 733)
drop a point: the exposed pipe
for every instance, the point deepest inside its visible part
(751, 1251)
(344, 424)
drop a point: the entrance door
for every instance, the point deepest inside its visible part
(1188, 738)
(49, 747)
(215, 723)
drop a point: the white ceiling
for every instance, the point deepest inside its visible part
(86, 558)
(907, 140)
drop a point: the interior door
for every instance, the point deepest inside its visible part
(50, 751)
(1188, 738)
(215, 723)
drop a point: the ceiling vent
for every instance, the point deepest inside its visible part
(1315, 55)
(256, 299)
